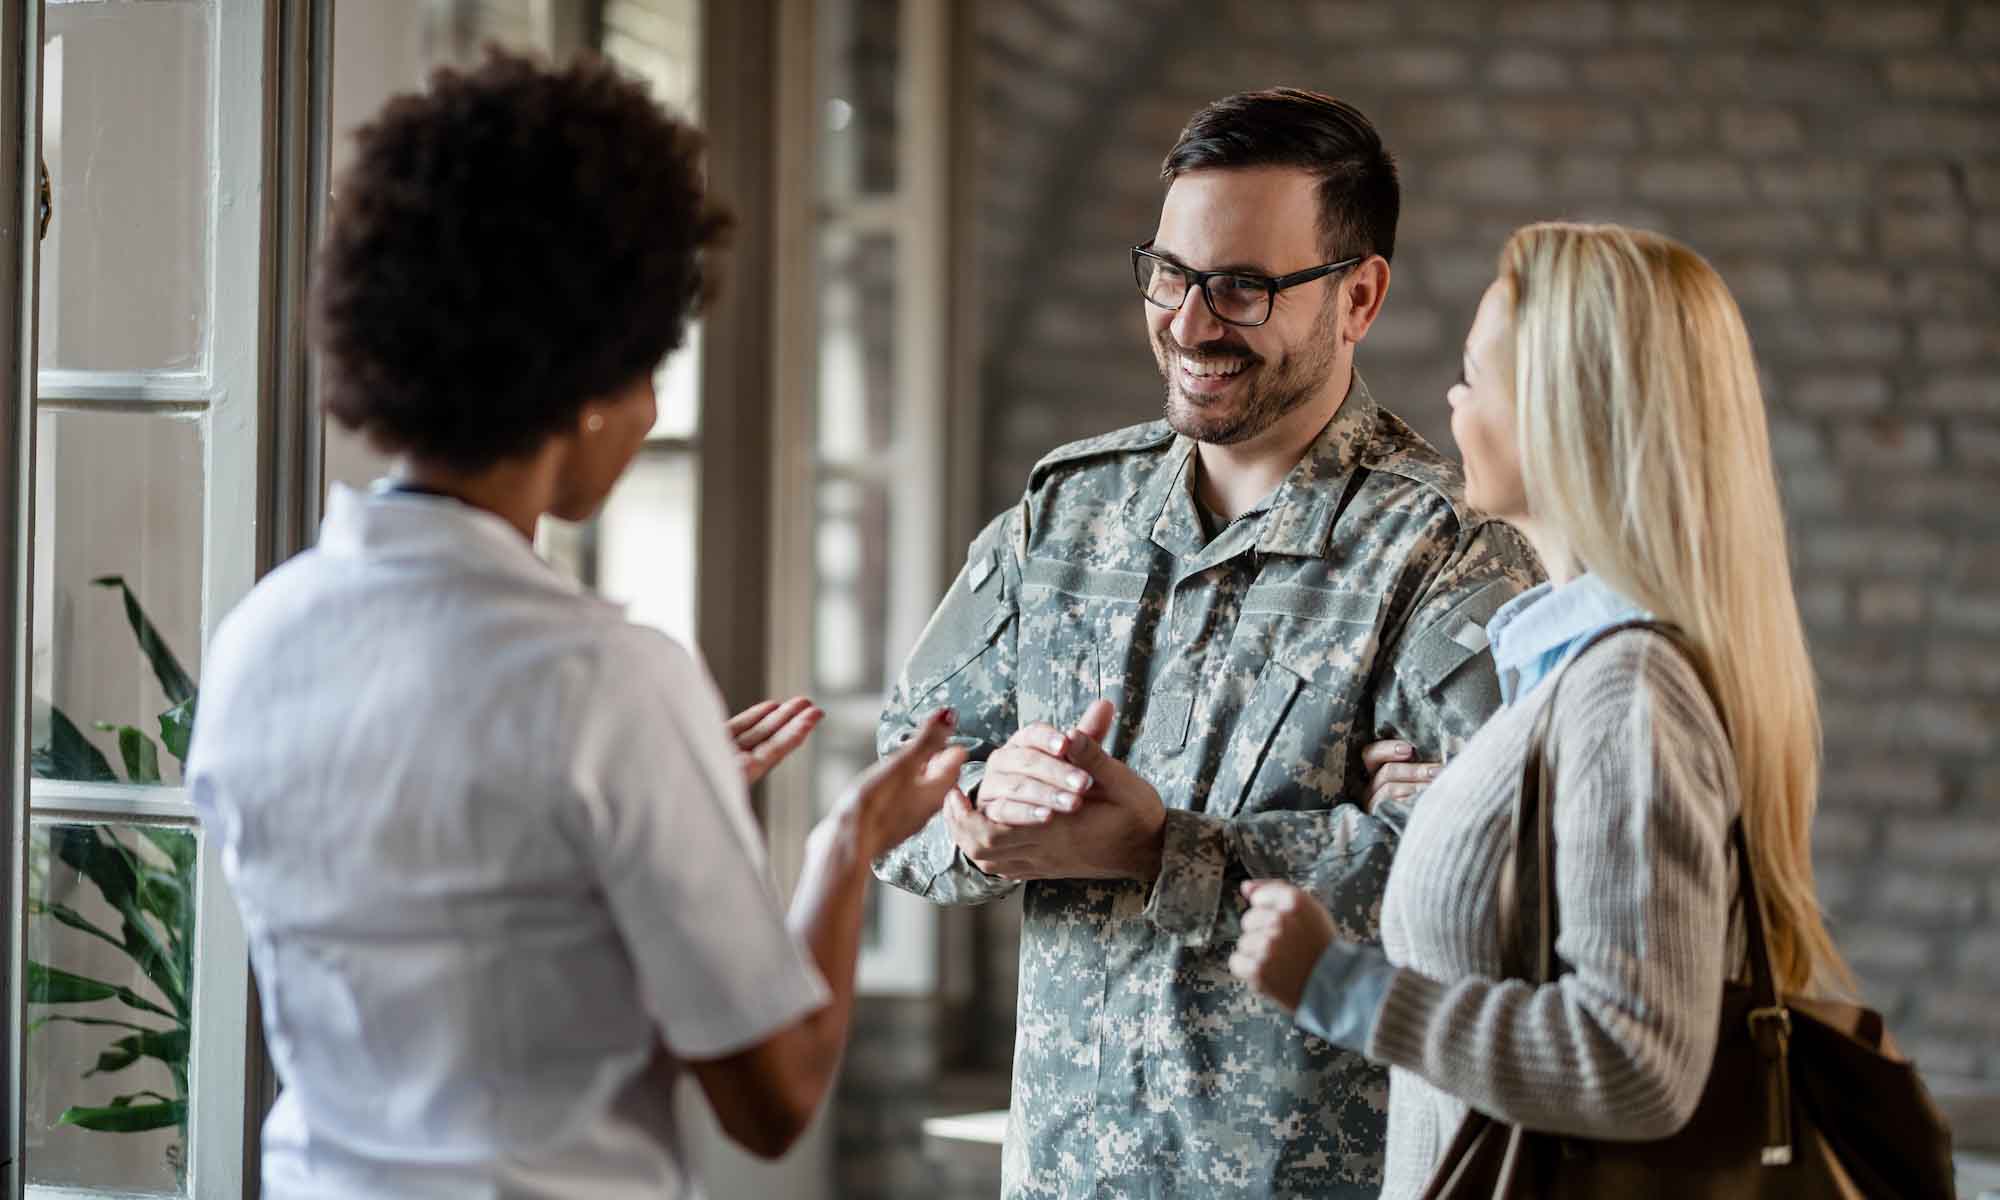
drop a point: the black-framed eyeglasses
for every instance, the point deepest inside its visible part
(1236, 298)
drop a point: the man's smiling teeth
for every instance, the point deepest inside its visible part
(1213, 368)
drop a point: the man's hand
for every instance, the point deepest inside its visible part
(1285, 932)
(1392, 773)
(1030, 779)
(1042, 823)
(767, 732)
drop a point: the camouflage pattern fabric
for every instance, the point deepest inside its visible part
(1249, 670)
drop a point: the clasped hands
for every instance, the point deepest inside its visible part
(1055, 805)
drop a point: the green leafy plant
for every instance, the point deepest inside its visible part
(149, 883)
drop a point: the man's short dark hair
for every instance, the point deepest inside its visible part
(1359, 196)
(508, 244)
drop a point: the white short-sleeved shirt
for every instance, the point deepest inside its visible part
(493, 852)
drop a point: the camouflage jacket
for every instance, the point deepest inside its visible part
(1248, 671)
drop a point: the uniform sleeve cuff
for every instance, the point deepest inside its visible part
(1188, 893)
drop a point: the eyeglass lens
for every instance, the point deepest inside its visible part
(1234, 298)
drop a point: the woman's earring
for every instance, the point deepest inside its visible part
(593, 423)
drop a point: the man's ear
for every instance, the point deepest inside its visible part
(1366, 288)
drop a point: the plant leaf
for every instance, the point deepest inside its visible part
(123, 1116)
(165, 896)
(84, 849)
(170, 1046)
(114, 868)
(174, 681)
(123, 1053)
(52, 985)
(177, 729)
(48, 985)
(69, 754)
(75, 920)
(142, 758)
(177, 844)
(105, 1021)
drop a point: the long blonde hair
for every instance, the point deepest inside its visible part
(1643, 446)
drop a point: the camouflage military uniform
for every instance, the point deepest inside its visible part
(1248, 670)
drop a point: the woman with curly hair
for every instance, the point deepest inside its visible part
(1609, 406)
(490, 841)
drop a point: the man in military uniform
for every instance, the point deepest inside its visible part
(1166, 662)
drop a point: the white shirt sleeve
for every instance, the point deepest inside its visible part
(680, 858)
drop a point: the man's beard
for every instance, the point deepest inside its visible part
(1267, 395)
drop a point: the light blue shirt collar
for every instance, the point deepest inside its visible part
(1532, 633)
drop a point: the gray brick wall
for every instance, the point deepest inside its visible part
(1839, 163)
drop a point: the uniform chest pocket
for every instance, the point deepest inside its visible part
(1076, 624)
(1296, 748)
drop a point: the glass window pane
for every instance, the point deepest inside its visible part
(857, 361)
(659, 41)
(118, 498)
(838, 756)
(645, 543)
(111, 920)
(677, 388)
(458, 31)
(125, 132)
(859, 45)
(850, 597)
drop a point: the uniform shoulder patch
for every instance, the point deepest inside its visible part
(1403, 452)
(1119, 441)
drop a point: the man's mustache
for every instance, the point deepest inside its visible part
(1212, 349)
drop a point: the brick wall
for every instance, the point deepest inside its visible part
(1839, 163)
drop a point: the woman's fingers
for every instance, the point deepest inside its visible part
(770, 718)
(771, 740)
(1377, 755)
(741, 722)
(1401, 781)
(906, 789)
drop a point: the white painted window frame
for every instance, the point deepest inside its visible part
(909, 957)
(225, 396)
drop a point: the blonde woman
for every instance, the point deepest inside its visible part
(1609, 407)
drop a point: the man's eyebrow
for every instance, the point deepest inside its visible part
(1235, 268)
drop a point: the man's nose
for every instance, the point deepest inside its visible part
(1195, 323)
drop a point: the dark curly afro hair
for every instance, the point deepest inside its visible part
(510, 243)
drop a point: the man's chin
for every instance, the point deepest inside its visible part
(1216, 424)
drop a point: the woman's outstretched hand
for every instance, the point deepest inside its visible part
(1285, 931)
(897, 796)
(766, 733)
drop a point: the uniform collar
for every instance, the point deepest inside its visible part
(1306, 504)
(410, 526)
(1297, 518)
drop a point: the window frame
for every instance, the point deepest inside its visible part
(253, 397)
(919, 952)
